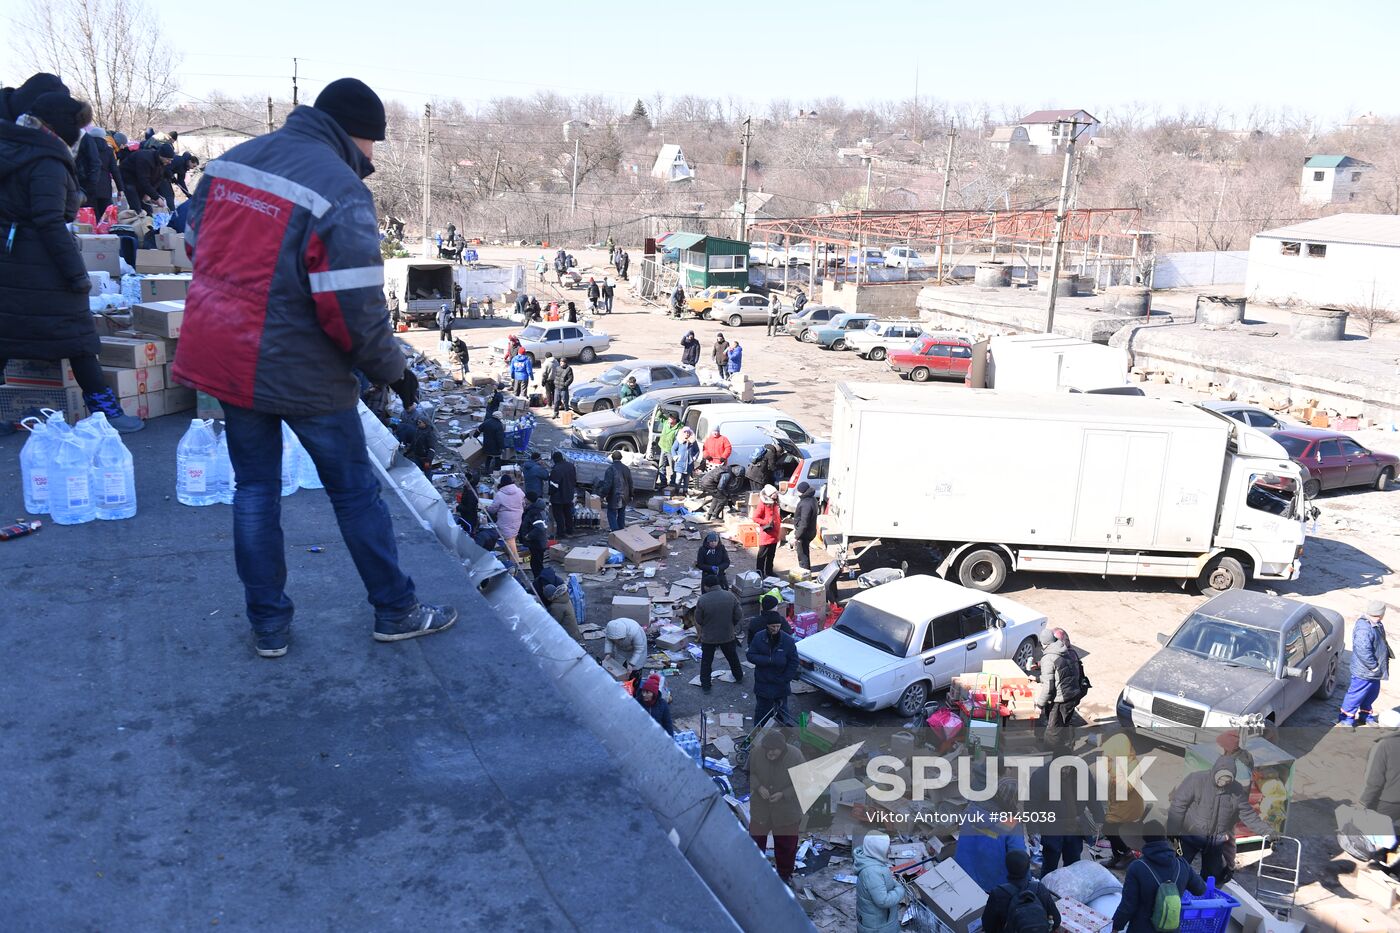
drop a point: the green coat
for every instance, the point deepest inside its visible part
(877, 895)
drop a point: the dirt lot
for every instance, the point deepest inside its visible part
(1347, 562)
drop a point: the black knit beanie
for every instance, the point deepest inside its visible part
(62, 114)
(23, 97)
(358, 110)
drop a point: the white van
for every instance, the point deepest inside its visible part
(748, 427)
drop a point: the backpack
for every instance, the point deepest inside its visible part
(1075, 684)
(1025, 913)
(1166, 906)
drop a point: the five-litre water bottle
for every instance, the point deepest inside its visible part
(308, 477)
(113, 478)
(291, 461)
(70, 484)
(224, 480)
(195, 482)
(35, 461)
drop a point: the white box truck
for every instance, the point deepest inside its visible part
(993, 482)
(1048, 363)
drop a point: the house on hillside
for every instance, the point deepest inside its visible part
(1331, 179)
(1048, 131)
(1010, 139)
(671, 165)
(1345, 259)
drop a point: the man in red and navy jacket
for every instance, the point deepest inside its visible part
(287, 300)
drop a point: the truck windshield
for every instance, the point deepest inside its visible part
(875, 627)
(1224, 641)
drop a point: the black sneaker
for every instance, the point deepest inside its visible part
(273, 644)
(423, 620)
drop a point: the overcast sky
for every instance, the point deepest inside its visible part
(1331, 59)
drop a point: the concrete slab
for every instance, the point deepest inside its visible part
(159, 776)
(991, 312)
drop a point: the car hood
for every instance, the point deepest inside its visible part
(845, 654)
(1175, 673)
(603, 420)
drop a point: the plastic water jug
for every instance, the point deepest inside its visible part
(195, 482)
(70, 484)
(91, 430)
(35, 461)
(225, 482)
(291, 461)
(113, 478)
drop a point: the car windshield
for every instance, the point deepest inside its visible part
(875, 627)
(615, 375)
(1294, 445)
(533, 332)
(1224, 641)
(639, 407)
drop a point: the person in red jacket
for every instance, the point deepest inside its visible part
(769, 523)
(286, 303)
(717, 449)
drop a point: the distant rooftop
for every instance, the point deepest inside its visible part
(1055, 116)
(1332, 161)
(1363, 229)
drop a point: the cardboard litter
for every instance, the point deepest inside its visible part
(725, 676)
(732, 720)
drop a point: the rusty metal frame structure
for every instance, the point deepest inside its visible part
(1100, 235)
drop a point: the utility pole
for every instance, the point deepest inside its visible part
(427, 179)
(917, 127)
(269, 114)
(294, 82)
(1058, 247)
(947, 169)
(573, 189)
(869, 164)
(496, 170)
(744, 179)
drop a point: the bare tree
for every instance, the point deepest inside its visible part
(1371, 310)
(108, 52)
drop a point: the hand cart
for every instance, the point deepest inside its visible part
(1276, 878)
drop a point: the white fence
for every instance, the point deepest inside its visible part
(1183, 270)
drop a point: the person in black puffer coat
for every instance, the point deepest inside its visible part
(44, 285)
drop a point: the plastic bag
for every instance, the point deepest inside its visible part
(1085, 880)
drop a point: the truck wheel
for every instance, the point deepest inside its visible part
(920, 374)
(1311, 489)
(983, 569)
(912, 700)
(1383, 481)
(1223, 573)
(735, 320)
(587, 355)
(877, 354)
(1329, 683)
(1025, 654)
(603, 404)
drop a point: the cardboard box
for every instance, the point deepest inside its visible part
(586, 560)
(566, 418)
(145, 405)
(636, 608)
(823, 728)
(165, 288)
(178, 399)
(40, 374)
(847, 793)
(635, 544)
(15, 400)
(132, 352)
(160, 318)
(1076, 917)
(101, 253)
(168, 239)
(595, 502)
(674, 641)
(470, 450)
(809, 596)
(746, 534)
(128, 382)
(558, 552)
(953, 896)
(181, 261)
(154, 262)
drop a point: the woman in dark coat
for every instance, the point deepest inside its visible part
(44, 285)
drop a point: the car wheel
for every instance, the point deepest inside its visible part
(984, 569)
(877, 354)
(1311, 489)
(1025, 654)
(603, 404)
(809, 336)
(1329, 683)
(734, 320)
(912, 700)
(1383, 481)
(705, 315)
(1222, 574)
(531, 357)
(920, 374)
(625, 445)
(587, 355)
(838, 344)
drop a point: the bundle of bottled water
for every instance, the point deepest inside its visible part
(204, 474)
(77, 474)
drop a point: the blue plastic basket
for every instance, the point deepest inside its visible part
(520, 437)
(1209, 913)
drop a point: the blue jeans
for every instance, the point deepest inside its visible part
(336, 443)
(617, 518)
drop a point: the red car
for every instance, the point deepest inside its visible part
(933, 357)
(1334, 460)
